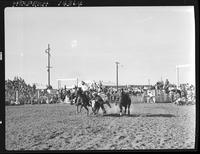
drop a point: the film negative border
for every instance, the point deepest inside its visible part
(78, 3)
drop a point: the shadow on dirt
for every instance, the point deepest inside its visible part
(141, 115)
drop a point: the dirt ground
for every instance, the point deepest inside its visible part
(59, 127)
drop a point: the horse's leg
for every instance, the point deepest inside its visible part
(97, 109)
(125, 109)
(103, 109)
(81, 108)
(129, 109)
(79, 105)
(94, 108)
(86, 109)
(77, 108)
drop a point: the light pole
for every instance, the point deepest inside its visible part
(178, 71)
(177, 75)
(117, 63)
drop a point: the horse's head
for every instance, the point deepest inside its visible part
(121, 93)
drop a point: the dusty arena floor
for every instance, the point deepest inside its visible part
(58, 127)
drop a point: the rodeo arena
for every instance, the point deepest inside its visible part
(98, 115)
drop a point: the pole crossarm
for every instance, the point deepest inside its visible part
(185, 65)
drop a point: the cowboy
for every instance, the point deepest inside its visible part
(84, 86)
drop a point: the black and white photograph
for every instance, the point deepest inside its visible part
(100, 78)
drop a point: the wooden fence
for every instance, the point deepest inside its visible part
(160, 97)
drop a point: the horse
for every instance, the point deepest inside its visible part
(82, 101)
(124, 101)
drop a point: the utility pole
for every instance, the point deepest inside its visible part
(177, 76)
(178, 71)
(117, 63)
(48, 67)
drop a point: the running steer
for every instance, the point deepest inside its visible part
(124, 101)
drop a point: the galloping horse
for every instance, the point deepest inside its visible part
(82, 101)
(124, 101)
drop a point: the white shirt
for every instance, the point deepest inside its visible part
(73, 90)
(84, 87)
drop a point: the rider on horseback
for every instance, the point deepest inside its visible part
(83, 90)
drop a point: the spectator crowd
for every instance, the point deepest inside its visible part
(18, 92)
(18, 87)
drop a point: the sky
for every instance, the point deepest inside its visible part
(85, 43)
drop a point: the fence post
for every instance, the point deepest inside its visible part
(17, 97)
(156, 95)
(38, 94)
(144, 97)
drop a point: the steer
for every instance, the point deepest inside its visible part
(98, 103)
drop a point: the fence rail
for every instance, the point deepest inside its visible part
(160, 97)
